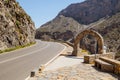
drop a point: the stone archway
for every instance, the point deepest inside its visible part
(81, 35)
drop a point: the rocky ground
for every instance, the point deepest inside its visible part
(77, 72)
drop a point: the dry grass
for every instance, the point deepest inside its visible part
(16, 48)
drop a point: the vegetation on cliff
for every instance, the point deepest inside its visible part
(16, 27)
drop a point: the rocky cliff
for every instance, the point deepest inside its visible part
(100, 15)
(16, 27)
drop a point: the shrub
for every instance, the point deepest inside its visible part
(17, 23)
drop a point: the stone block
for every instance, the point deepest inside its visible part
(90, 59)
(104, 66)
(113, 62)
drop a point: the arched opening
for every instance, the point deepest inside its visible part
(89, 43)
(97, 39)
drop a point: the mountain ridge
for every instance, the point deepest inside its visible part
(91, 10)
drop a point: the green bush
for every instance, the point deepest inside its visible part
(17, 23)
(7, 1)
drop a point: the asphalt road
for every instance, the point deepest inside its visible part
(17, 65)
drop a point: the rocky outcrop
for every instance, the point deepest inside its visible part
(16, 27)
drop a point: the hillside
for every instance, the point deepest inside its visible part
(91, 11)
(60, 28)
(16, 27)
(110, 30)
(100, 15)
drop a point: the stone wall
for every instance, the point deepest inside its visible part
(115, 63)
(90, 59)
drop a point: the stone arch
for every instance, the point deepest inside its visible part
(81, 35)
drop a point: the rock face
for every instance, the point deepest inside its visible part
(100, 15)
(16, 27)
(91, 10)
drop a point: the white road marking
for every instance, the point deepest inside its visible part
(27, 78)
(24, 55)
(51, 60)
(56, 56)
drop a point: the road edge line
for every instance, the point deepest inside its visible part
(27, 78)
(52, 59)
(55, 56)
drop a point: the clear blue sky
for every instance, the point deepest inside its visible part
(42, 11)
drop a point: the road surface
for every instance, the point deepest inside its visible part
(16, 65)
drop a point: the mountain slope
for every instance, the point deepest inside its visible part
(91, 10)
(110, 30)
(61, 27)
(100, 15)
(16, 27)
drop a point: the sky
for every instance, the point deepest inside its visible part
(42, 11)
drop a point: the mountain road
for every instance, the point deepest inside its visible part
(17, 65)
